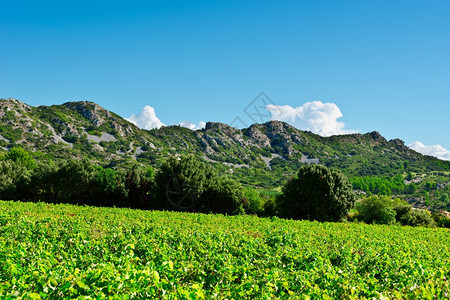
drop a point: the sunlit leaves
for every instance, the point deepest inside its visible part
(62, 251)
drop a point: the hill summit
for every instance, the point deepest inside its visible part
(270, 152)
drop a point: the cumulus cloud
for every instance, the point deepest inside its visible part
(436, 150)
(320, 118)
(192, 126)
(147, 119)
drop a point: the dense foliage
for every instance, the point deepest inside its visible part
(387, 210)
(379, 185)
(181, 180)
(222, 195)
(317, 193)
(184, 184)
(429, 190)
(187, 183)
(263, 155)
(377, 210)
(64, 251)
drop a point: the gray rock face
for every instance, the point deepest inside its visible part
(86, 129)
(13, 105)
(376, 136)
(105, 137)
(219, 139)
(255, 132)
(88, 110)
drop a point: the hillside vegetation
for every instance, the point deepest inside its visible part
(261, 156)
(87, 130)
(63, 251)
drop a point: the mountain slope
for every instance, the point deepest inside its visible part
(263, 154)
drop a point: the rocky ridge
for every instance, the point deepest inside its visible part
(85, 129)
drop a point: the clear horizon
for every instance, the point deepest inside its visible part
(330, 67)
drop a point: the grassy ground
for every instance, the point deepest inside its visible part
(64, 251)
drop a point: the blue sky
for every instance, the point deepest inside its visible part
(382, 65)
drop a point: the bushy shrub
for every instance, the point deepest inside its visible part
(138, 186)
(384, 210)
(376, 209)
(222, 195)
(418, 217)
(13, 176)
(80, 182)
(271, 208)
(188, 184)
(411, 188)
(180, 183)
(260, 202)
(107, 189)
(441, 220)
(72, 181)
(316, 193)
(72, 138)
(19, 155)
(253, 202)
(69, 182)
(401, 210)
(16, 168)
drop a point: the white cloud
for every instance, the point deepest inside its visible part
(192, 126)
(320, 118)
(147, 119)
(436, 150)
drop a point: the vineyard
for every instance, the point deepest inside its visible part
(64, 251)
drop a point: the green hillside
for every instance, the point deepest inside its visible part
(263, 155)
(88, 130)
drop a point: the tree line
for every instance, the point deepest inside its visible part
(186, 183)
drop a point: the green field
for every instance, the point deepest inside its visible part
(64, 251)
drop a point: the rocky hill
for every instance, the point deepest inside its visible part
(261, 154)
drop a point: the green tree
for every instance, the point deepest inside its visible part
(21, 156)
(400, 211)
(430, 186)
(253, 202)
(188, 184)
(441, 220)
(426, 197)
(406, 165)
(16, 168)
(13, 177)
(138, 186)
(418, 217)
(409, 176)
(40, 187)
(397, 184)
(411, 188)
(222, 195)
(107, 188)
(316, 193)
(180, 183)
(376, 209)
(70, 182)
(444, 198)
